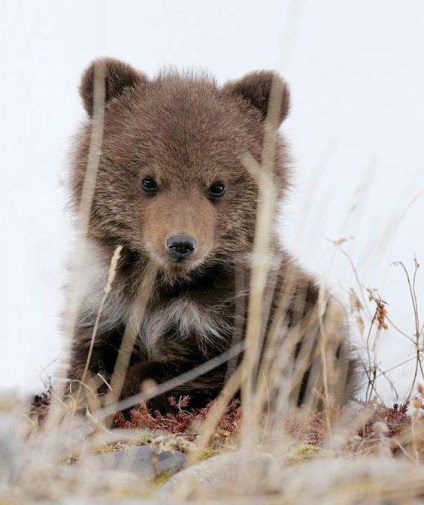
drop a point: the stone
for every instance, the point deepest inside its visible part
(362, 479)
(143, 460)
(11, 447)
(223, 472)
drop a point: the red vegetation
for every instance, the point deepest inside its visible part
(40, 406)
(312, 430)
(395, 418)
(183, 422)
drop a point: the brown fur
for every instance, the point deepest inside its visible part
(187, 133)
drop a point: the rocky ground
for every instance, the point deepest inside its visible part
(367, 454)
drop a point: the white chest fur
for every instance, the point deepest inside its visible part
(180, 319)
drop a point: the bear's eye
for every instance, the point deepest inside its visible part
(149, 185)
(217, 189)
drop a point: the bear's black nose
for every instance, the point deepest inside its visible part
(180, 247)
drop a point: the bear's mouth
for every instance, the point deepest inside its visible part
(182, 266)
(178, 267)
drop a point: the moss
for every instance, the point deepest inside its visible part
(208, 452)
(162, 478)
(305, 452)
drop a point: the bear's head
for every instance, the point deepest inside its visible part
(172, 184)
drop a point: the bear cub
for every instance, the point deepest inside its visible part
(174, 192)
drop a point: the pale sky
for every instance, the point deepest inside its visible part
(356, 129)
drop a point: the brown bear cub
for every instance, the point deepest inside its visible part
(174, 191)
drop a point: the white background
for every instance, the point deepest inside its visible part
(356, 129)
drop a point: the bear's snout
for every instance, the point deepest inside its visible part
(180, 247)
(178, 233)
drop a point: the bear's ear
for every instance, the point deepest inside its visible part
(255, 88)
(118, 77)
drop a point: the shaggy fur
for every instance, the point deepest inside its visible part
(186, 133)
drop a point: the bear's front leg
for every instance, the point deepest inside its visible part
(91, 364)
(201, 389)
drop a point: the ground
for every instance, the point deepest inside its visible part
(361, 453)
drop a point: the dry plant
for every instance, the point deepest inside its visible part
(418, 327)
(90, 178)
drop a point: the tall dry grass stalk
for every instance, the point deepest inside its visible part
(261, 264)
(131, 333)
(111, 277)
(84, 212)
(273, 372)
(418, 338)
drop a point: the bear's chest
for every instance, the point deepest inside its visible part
(181, 326)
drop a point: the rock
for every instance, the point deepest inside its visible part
(11, 447)
(223, 472)
(363, 480)
(141, 460)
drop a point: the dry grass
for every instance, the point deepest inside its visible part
(363, 453)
